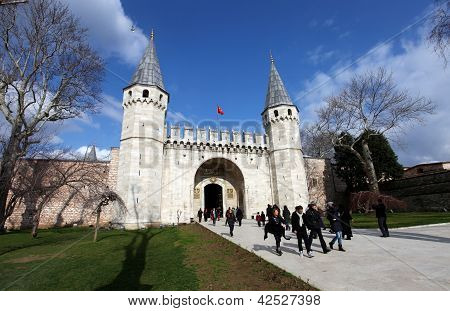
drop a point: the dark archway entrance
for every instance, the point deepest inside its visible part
(213, 198)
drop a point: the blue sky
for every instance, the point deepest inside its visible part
(216, 53)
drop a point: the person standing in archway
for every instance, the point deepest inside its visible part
(239, 215)
(200, 215)
(205, 214)
(213, 216)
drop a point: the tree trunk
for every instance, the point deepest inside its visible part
(8, 163)
(97, 223)
(369, 167)
(36, 220)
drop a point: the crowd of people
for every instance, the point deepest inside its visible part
(306, 225)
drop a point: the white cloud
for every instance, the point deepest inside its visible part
(318, 55)
(56, 140)
(110, 28)
(415, 67)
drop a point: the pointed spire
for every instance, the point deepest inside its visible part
(148, 72)
(92, 155)
(276, 92)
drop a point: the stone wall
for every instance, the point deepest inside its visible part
(422, 193)
(68, 206)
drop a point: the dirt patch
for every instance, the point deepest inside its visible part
(222, 265)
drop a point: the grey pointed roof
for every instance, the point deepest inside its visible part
(92, 155)
(276, 92)
(148, 72)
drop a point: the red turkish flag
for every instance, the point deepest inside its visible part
(220, 111)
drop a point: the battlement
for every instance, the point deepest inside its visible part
(214, 137)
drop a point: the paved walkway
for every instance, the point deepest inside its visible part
(411, 259)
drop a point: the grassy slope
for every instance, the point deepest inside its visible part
(185, 258)
(396, 220)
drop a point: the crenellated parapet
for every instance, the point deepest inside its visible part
(212, 137)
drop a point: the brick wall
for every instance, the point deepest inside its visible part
(68, 206)
(422, 193)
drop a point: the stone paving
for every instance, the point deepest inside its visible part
(416, 258)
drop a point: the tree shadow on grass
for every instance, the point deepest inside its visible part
(134, 264)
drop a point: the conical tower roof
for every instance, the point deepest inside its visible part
(276, 92)
(148, 72)
(91, 156)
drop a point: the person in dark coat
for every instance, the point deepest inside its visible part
(263, 218)
(276, 228)
(335, 222)
(380, 212)
(315, 224)
(239, 215)
(258, 219)
(200, 215)
(205, 214)
(213, 216)
(231, 221)
(269, 210)
(346, 217)
(268, 227)
(299, 227)
(287, 216)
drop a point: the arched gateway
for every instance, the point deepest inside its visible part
(166, 173)
(219, 183)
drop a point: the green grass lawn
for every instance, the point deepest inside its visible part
(184, 258)
(396, 220)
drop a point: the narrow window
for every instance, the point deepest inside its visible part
(160, 97)
(290, 112)
(130, 93)
(145, 93)
(276, 113)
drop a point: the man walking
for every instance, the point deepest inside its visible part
(336, 225)
(299, 227)
(239, 215)
(231, 220)
(380, 212)
(314, 223)
(287, 217)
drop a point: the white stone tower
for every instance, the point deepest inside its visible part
(281, 122)
(140, 170)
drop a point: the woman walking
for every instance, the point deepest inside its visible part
(275, 226)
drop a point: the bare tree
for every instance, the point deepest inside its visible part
(439, 36)
(104, 199)
(54, 176)
(48, 73)
(370, 104)
(316, 143)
